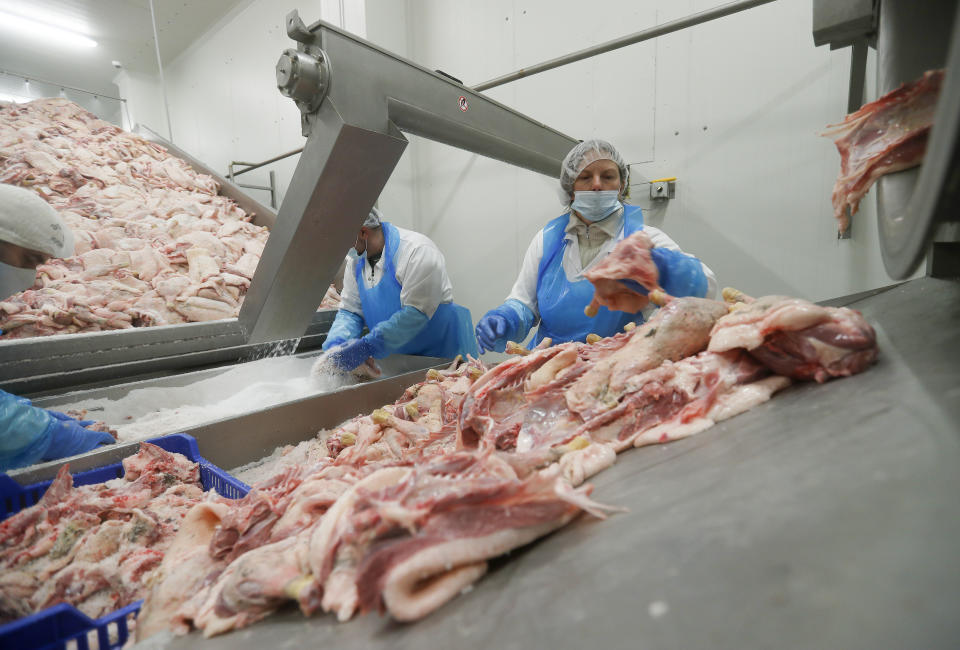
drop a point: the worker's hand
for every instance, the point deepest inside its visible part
(351, 354)
(63, 416)
(680, 274)
(490, 330)
(69, 438)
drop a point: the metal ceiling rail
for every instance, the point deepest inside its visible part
(636, 37)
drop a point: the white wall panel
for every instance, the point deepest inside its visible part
(733, 108)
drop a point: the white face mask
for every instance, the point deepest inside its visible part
(595, 206)
(13, 279)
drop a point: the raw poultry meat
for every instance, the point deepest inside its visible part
(884, 136)
(92, 546)
(629, 260)
(796, 338)
(348, 524)
(399, 510)
(155, 243)
(559, 403)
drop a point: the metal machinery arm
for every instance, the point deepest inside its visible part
(355, 99)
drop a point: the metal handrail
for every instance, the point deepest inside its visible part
(252, 166)
(647, 34)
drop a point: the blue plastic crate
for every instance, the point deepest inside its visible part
(15, 497)
(62, 625)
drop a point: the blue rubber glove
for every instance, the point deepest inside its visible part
(511, 321)
(63, 416)
(68, 438)
(680, 274)
(491, 330)
(352, 354)
(347, 325)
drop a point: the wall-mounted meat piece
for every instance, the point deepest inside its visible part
(884, 136)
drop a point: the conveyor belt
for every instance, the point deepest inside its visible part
(249, 435)
(826, 518)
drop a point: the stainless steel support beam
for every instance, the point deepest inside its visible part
(637, 37)
(858, 75)
(355, 100)
(341, 172)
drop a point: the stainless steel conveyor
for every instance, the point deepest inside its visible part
(825, 518)
(246, 434)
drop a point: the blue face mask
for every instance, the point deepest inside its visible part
(595, 206)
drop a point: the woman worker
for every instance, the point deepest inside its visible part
(31, 232)
(551, 288)
(395, 283)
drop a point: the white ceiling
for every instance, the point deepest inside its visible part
(122, 29)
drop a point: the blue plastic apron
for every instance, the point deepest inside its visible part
(448, 333)
(561, 302)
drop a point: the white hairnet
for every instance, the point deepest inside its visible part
(27, 220)
(583, 154)
(373, 219)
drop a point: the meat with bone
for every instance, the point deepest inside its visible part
(404, 539)
(91, 546)
(564, 402)
(155, 243)
(399, 510)
(796, 338)
(629, 260)
(540, 401)
(884, 136)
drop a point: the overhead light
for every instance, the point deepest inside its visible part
(45, 31)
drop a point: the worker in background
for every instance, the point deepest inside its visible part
(551, 288)
(395, 283)
(31, 232)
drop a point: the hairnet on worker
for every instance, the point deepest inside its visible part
(585, 153)
(373, 219)
(27, 220)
